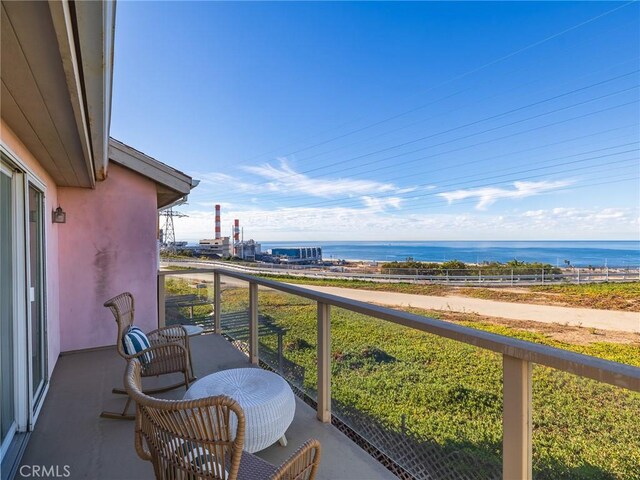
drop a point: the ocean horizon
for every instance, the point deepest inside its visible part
(580, 253)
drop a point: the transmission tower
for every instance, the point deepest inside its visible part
(168, 232)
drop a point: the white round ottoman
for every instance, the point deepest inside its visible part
(193, 330)
(266, 399)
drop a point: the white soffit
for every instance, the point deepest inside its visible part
(36, 100)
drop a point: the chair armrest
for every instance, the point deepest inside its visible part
(170, 334)
(162, 350)
(141, 449)
(303, 464)
(165, 358)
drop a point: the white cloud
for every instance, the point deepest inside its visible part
(228, 182)
(610, 213)
(378, 204)
(487, 196)
(533, 213)
(367, 223)
(285, 179)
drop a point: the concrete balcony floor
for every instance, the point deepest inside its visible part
(70, 432)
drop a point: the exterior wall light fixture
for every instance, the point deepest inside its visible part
(59, 215)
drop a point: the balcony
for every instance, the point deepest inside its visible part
(420, 398)
(70, 431)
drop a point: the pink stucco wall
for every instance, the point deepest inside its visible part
(10, 140)
(107, 246)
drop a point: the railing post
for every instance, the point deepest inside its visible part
(253, 323)
(516, 419)
(162, 319)
(324, 362)
(542, 277)
(217, 304)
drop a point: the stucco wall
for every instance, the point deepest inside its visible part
(107, 246)
(10, 140)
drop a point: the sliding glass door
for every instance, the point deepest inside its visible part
(7, 288)
(36, 292)
(23, 342)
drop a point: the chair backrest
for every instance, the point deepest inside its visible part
(122, 307)
(187, 439)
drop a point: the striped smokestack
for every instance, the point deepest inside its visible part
(218, 235)
(236, 236)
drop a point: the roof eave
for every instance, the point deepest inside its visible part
(63, 25)
(172, 185)
(96, 57)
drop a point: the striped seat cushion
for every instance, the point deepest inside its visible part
(135, 341)
(195, 457)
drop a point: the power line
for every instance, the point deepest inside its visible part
(530, 177)
(553, 124)
(438, 203)
(450, 183)
(622, 178)
(461, 76)
(442, 132)
(455, 184)
(484, 142)
(495, 157)
(449, 111)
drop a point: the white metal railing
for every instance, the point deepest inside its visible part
(469, 276)
(518, 356)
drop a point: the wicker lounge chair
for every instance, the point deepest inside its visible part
(169, 351)
(194, 439)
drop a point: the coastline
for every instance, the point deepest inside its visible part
(585, 253)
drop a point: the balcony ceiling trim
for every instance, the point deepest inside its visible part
(62, 24)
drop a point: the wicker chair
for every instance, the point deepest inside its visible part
(169, 348)
(203, 438)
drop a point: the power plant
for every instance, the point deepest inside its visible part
(250, 250)
(219, 246)
(231, 246)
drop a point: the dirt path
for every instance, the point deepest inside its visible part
(585, 317)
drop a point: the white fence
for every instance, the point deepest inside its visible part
(461, 277)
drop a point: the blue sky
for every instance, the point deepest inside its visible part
(389, 121)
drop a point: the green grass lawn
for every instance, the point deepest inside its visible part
(623, 289)
(448, 394)
(625, 296)
(604, 296)
(179, 286)
(451, 393)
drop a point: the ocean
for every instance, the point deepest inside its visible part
(578, 253)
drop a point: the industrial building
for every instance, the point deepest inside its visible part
(297, 254)
(219, 245)
(215, 246)
(225, 247)
(248, 250)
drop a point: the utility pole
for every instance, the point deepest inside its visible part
(169, 232)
